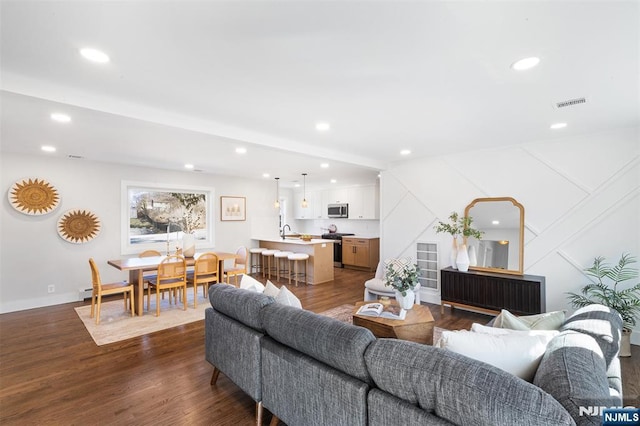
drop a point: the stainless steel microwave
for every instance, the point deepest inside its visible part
(338, 210)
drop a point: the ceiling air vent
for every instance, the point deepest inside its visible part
(571, 102)
(75, 157)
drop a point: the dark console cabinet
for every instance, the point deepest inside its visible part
(489, 292)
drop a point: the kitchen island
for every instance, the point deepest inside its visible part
(320, 264)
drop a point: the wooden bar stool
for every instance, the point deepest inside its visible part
(296, 258)
(278, 257)
(255, 261)
(267, 255)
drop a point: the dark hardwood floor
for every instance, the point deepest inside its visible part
(51, 371)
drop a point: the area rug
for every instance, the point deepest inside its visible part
(344, 313)
(116, 324)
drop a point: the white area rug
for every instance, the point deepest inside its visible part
(116, 324)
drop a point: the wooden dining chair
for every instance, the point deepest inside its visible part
(100, 290)
(239, 265)
(151, 274)
(172, 274)
(205, 272)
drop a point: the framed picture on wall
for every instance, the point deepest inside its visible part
(233, 208)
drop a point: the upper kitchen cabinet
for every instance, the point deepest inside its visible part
(364, 202)
(338, 196)
(314, 209)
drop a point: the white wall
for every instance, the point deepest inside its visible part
(581, 197)
(32, 255)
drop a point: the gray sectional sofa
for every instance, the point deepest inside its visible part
(307, 369)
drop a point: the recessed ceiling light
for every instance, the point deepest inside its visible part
(405, 152)
(323, 127)
(525, 64)
(297, 185)
(333, 181)
(324, 165)
(241, 150)
(94, 55)
(48, 148)
(558, 126)
(188, 166)
(60, 118)
(495, 222)
(265, 175)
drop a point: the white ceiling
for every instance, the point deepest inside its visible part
(188, 82)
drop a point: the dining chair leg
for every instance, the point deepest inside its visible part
(195, 294)
(98, 309)
(133, 311)
(148, 298)
(184, 297)
(158, 301)
(93, 302)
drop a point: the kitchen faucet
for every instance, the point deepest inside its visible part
(283, 232)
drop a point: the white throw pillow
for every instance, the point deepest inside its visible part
(287, 298)
(545, 321)
(250, 283)
(271, 290)
(515, 354)
(479, 328)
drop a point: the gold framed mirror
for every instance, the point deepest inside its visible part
(501, 248)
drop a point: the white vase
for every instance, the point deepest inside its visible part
(462, 260)
(406, 302)
(473, 257)
(188, 245)
(454, 253)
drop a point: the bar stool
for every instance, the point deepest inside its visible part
(267, 255)
(295, 258)
(282, 255)
(255, 261)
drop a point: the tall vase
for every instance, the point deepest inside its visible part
(188, 245)
(473, 257)
(406, 302)
(454, 253)
(462, 260)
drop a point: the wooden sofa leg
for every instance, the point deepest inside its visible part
(214, 376)
(259, 413)
(274, 421)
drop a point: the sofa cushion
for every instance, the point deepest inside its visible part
(337, 344)
(376, 284)
(573, 371)
(239, 304)
(514, 353)
(270, 289)
(459, 389)
(600, 322)
(285, 297)
(479, 328)
(545, 321)
(386, 409)
(249, 283)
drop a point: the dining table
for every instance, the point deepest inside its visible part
(137, 266)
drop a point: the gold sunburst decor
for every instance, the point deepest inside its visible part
(78, 226)
(34, 196)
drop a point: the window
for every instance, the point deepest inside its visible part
(427, 260)
(156, 216)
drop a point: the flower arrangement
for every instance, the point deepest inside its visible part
(402, 278)
(192, 215)
(459, 226)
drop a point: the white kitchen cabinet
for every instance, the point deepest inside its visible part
(338, 196)
(314, 205)
(364, 202)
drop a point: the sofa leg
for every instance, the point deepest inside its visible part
(259, 413)
(274, 421)
(214, 376)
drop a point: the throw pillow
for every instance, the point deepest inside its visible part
(479, 328)
(515, 354)
(287, 298)
(250, 283)
(271, 290)
(545, 321)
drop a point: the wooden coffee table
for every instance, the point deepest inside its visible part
(416, 327)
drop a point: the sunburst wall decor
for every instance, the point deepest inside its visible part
(78, 226)
(34, 196)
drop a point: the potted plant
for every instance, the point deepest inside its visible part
(459, 226)
(625, 301)
(404, 279)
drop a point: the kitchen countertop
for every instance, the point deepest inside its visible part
(362, 237)
(294, 240)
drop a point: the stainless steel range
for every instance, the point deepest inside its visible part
(337, 246)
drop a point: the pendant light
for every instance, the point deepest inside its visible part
(304, 197)
(276, 204)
